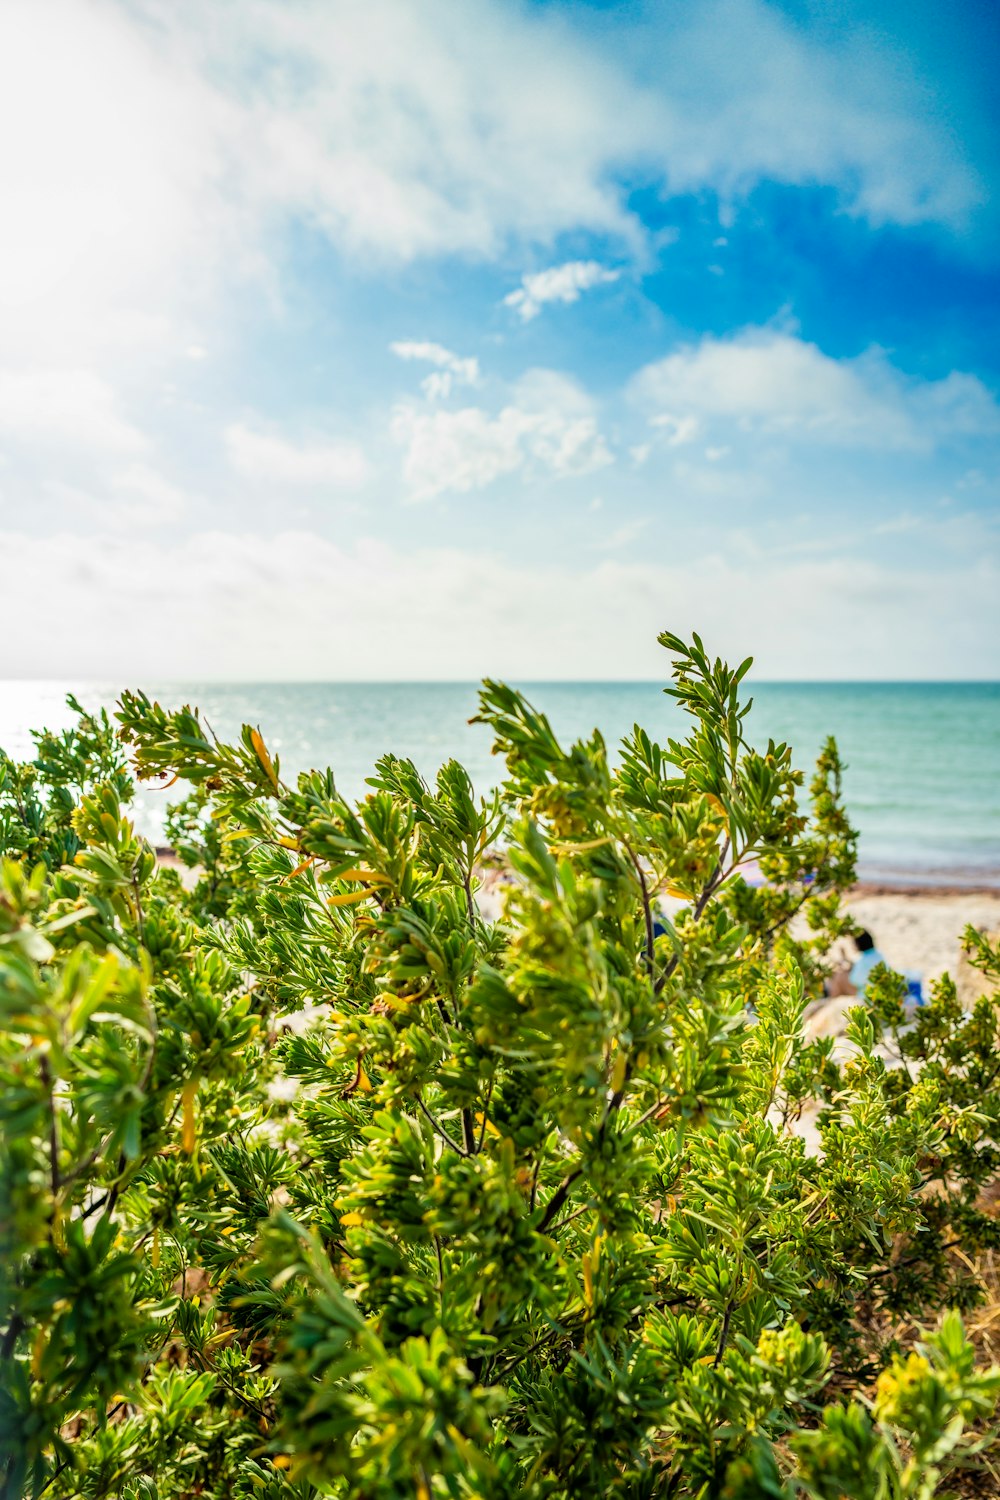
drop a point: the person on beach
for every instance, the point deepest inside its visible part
(852, 979)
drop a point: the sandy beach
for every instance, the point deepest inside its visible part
(920, 930)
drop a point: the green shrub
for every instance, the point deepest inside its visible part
(317, 1181)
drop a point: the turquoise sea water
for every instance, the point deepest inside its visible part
(922, 783)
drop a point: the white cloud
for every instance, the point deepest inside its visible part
(152, 496)
(548, 428)
(228, 605)
(156, 155)
(268, 459)
(765, 381)
(69, 407)
(677, 430)
(625, 534)
(452, 370)
(562, 283)
(402, 131)
(136, 498)
(159, 146)
(749, 94)
(411, 130)
(110, 153)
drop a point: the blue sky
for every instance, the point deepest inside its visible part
(385, 339)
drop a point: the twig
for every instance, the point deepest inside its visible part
(53, 1131)
(646, 906)
(558, 1198)
(723, 1336)
(486, 1105)
(569, 1218)
(439, 1128)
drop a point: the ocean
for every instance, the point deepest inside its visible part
(921, 784)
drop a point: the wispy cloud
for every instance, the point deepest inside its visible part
(451, 369)
(481, 613)
(563, 283)
(270, 459)
(778, 385)
(68, 407)
(549, 428)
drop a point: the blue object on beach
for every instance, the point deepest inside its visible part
(914, 988)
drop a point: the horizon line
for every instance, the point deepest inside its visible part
(105, 680)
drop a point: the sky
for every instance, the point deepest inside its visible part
(434, 339)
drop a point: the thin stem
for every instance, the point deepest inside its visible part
(558, 1198)
(723, 1336)
(648, 1114)
(137, 897)
(646, 905)
(440, 1281)
(569, 1218)
(470, 905)
(15, 1328)
(439, 1128)
(534, 1186)
(53, 1131)
(717, 878)
(486, 1105)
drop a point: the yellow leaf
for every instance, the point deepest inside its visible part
(299, 868)
(348, 898)
(673, 889)
(481, 1120)
(373, 877)
(618, 1071)
(264, 758)
(580, 848)
(288, 843)
(349, 1221)
(154, 1254)
(588, 1279)
(188, 1136)
(364, 1082)
(281, 1461)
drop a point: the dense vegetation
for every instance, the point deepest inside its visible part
(316, 1181)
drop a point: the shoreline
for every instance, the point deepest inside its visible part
(939, 887)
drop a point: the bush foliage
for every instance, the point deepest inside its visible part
(319, 1181)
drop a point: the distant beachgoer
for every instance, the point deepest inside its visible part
(868, 958)
(853, 978)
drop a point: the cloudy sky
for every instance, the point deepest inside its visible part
(436, 338)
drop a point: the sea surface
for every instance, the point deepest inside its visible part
(923, 759)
